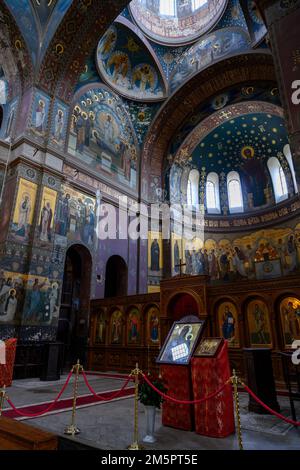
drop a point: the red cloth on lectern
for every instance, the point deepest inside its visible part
(214, 417)
(177, 380)
(6, 370)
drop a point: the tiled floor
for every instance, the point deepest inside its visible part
(110, 425)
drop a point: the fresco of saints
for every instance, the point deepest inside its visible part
(35, 301)
(24, 214)
(59, 125)
(213, 267)
(144, 76)
(88, 230)
(155, 253)
(40, 114)
(80, 131)
(118, 65)
(63, 215)
(176, 257)
(107, 43)
(108, 129)
(10, 306)
(45, 225)
(4, 295)
(53, 298)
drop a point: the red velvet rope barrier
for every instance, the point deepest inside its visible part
(108, 397)
(40, 413)
(185, 402)
(273, 412)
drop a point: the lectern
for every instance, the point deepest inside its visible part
(210, 370)
(175, 369)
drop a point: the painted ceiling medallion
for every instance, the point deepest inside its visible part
(128, 65)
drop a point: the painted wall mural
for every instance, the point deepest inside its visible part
(12, 290)
(46, 223)
(75, 215)
(24, 210)
(29, 299)
(9, 119)
(176, 22)
(39, 116)
(59, 124)
(101, 135)
(42, 301)
(259, 324)
(229, 323)
(290, 320)
(213, 47)
(127, 65)
(264, 254)
(155, 261)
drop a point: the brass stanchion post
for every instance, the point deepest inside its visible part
(237, 409)
(3, 396)
(72, 429)
(135, 445)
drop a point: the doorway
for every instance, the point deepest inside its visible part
(75, 301)
(116, 277)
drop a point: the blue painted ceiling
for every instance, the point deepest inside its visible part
(241, 142)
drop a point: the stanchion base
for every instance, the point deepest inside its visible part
(71, 430)
(135, 446)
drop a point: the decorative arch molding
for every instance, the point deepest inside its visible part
(219, 117)
(187, 291)
(76, 37)
(238, 69)
(136, 32)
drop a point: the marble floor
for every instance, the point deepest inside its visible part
(110, 425)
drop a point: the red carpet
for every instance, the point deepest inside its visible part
(65, 403)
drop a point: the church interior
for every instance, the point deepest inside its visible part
(111, 108)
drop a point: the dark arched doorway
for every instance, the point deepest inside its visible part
(182, 305)
(116, 277)
(75, 301)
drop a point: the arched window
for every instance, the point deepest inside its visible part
(198, 4)
(167, 7)
(3, 91)
(278, 179)
(212, 193)
(193, 188)
(234, 190)
(288, 156)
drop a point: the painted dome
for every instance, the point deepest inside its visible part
(176, 21)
